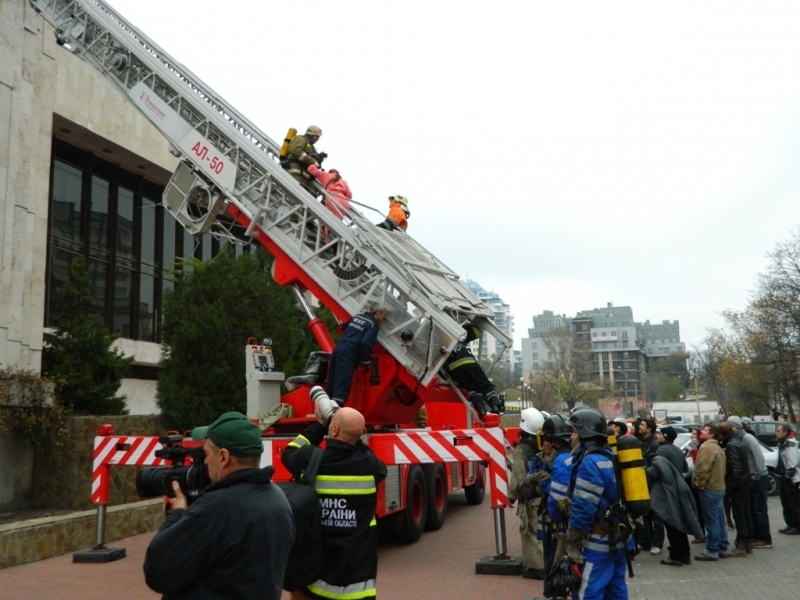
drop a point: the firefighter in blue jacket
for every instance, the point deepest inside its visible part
(557, 432)
(355, 347)
(591, 539)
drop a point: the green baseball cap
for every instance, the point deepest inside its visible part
(233, 431)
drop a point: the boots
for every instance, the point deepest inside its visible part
(478, 404)
(324, 407)
(495, 405)
(738, 552)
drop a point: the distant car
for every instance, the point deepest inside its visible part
(765, 431)
(677, 428)
(684, 440)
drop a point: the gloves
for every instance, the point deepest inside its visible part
(526, 489)
(539, 476)
(575, 542)
(565, 506)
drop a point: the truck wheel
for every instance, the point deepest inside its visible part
(416, 511)
(477, 490)
(436, 492)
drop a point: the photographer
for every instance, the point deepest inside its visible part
(234, 540)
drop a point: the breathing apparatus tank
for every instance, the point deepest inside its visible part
(635, 492)
(284, 152)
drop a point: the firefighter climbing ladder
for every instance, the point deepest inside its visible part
(229, 184)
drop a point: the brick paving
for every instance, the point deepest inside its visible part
(441, 566)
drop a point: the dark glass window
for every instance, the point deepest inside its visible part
(113, 219)
(65, 212)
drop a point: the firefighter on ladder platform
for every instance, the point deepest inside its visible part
(355, 347)
(463, 368)
(301, 154)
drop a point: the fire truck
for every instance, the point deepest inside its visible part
(229, 184)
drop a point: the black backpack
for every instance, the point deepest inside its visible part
(305, 558)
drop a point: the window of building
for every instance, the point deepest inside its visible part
(533, 345)
(535, 365)
(535, 355)
(549, 355)
(113, 218)
(603, 334)
(613, 334)
(594, 334)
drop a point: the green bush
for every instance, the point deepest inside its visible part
(215, 307)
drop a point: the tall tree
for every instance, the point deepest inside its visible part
(78, 358)
(566, 371)
(208, 318)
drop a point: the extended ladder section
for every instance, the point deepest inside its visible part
(230, 184)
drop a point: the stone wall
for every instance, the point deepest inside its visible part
(16, 458)
(27, 541)
(62, 475)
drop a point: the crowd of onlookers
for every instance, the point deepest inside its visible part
(726, 490)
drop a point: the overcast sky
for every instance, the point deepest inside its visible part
(562, 154)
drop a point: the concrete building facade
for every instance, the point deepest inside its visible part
(619, 350)
(81, 173)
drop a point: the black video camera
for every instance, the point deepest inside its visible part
(319, 157)
(157, 481)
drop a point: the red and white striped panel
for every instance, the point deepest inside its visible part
(120, 450)
(451, 445)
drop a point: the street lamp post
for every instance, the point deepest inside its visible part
(522, 393)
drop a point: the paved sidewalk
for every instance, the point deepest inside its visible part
(441, 566)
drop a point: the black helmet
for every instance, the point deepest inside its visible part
(589, 423)
(556, 427)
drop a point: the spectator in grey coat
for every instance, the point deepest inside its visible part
(788, 473)
(672, 500)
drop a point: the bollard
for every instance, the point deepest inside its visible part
(501, 563)
(99, 553)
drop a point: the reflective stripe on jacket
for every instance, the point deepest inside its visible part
(346, 483)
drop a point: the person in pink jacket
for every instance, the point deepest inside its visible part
(337, 194)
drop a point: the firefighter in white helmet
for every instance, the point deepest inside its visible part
(530, 422)
(398, 214)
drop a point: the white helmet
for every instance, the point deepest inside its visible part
(531, 420)
(400, 199)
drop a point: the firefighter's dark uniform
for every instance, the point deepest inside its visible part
(355, 347)
(463, 368)
(346, 483)
(301, 155)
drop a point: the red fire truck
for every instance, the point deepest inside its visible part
(229, 184)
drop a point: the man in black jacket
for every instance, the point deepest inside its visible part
(234, 540)
(347, 485)
(738, 483)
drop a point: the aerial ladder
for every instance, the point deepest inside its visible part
(229, 184)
